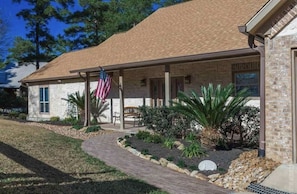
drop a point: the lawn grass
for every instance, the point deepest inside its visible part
(36, 160)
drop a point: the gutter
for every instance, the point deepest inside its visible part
(261, 50)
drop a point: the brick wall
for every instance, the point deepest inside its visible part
(278, 73)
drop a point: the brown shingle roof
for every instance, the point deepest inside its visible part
(191, 28)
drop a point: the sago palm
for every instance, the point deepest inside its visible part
(97, 106)
(214, 107)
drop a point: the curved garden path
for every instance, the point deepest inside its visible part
(105, 148)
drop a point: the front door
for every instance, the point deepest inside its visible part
(157, 89)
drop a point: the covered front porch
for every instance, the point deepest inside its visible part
(156, 83)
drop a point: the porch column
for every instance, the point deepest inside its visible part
(167, 85)
(261, 151)
(121, 93)
(87, 100)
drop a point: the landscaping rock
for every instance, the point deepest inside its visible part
(155, 161)
(193, 173)
(207, 165)
(181, 147)
(213, 177)
(163, 162)
(246, 169)
(201, 177)
(146, 157)
(133, 151)
(173, 166)
(177, 143)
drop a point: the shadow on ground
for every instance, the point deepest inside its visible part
(47, 179)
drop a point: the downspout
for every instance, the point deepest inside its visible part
(261, 50)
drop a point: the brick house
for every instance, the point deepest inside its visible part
(275, 27)
(180, 47)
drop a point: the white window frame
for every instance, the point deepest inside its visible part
(43, 103)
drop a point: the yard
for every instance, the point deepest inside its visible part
(36, 160)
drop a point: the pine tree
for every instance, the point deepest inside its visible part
(37, 17)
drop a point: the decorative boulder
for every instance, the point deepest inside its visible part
(207, 165)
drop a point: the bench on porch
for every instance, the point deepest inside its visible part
(130, 112)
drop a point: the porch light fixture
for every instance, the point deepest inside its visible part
(143, 82)
(188, 79)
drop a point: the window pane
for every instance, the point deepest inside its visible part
(46, 107)
(46, 94)
(41, 107)
(248, 80)
(41, 94)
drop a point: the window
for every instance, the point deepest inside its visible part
(248, 80)
(44, 100)
(247, 75)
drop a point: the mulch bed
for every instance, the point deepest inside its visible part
(222, 158)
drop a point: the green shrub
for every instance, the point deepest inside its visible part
(155, 158)
(77, 127)
(155, 138)
(13, 114)
(71, 121)
(143, 135)
(191, 137)
(54, 119)
(93, 128)
(170, 158)
(22, 116)
(145, 151)
(169, 143)
(164, 121)
(181, 164)
(128, 143)
(193, 167)
(193, 150)
(246, 124)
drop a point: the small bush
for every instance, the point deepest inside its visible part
(193, 150)
(154, 139)
(93, 128)
(181, 164)
(170, 158)
(127, 143)
(54, 119)
(164, 121)
(246, 124)
(22, 116)
(71, 121)
(143, 135)
(145, 151)
(155, 157)
(77, 127)
(191, 137)
(13, 114)
(169, 143)
(193, 167)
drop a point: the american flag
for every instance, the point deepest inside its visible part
(104, 85)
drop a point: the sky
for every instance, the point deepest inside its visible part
(16, 25)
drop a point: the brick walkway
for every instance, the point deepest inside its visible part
(105, 148)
